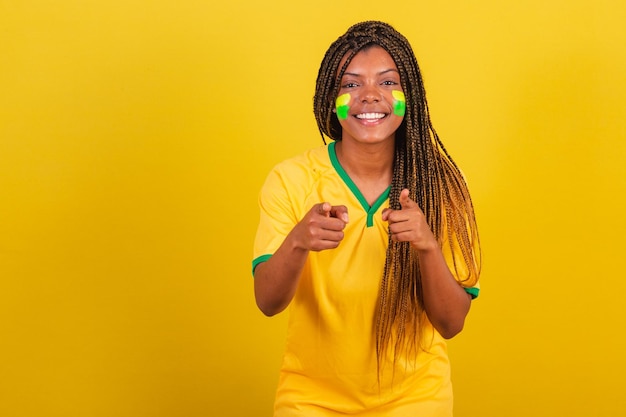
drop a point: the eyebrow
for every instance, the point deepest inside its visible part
(383, 72)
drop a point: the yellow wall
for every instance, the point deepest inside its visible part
(134, 136)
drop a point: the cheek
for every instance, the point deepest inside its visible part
(342, 106)
(399, 103)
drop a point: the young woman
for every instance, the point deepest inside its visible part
(371, 241)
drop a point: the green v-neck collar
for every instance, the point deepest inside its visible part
(370, 210)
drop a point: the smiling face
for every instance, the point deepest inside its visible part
(370, 102)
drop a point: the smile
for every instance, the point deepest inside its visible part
(370, 116)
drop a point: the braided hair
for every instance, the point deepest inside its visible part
(422, 165)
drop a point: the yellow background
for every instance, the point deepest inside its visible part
(134, 136)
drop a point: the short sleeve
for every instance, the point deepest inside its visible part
(276, 217)
(466, 276)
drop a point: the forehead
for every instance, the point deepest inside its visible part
(374, 57)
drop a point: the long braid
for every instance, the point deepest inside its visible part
(421, 164)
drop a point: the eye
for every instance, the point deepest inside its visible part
(390, 82)
(349, 85)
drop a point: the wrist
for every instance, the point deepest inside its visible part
(425, 248)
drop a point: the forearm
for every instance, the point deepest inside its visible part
(445, 301)
(276, 280)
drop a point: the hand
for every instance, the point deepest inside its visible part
(409, 224)
(322, 227)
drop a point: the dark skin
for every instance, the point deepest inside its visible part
(446, 303)
(276, 280)
(366, 152)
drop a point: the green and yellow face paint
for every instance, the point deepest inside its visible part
(342, 105)
(399, 103)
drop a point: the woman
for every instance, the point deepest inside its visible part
(371, 241)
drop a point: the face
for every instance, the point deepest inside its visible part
(370, 103)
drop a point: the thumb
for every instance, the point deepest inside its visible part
(405, 200)
(324, 209)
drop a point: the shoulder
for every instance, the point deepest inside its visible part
(290, 183)
(317, 158)
(301, 169)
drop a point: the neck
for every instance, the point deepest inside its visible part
(369, 166)
(366, 161)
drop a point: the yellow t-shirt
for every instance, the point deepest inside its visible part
(329, 366)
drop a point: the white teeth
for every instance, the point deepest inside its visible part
(370, 116)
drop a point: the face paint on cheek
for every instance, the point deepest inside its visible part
(342, 106)
(399, 103)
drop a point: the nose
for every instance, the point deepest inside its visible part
(370, 94)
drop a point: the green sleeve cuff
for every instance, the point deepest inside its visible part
(473, 291)
(258, 261)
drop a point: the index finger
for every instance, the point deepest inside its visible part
(340, 212)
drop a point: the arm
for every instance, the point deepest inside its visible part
(446, 303)
(276, 280)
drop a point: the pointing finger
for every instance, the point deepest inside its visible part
(385, 214)
(340, 212)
